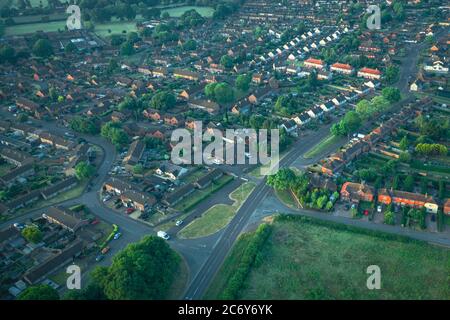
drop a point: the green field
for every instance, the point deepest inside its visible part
(321, 146)
(115, 27)
(33, 27)
(178, 11)
(218, 216)
(305, 258)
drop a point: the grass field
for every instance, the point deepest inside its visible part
(321, 146)
(308, 259)
(218, 216)
(178, 11)
(33, 27)
(103, 29)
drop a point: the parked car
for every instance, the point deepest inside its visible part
(19, 226)
(99, 257)
(163, 234)
(107, 197)
(379, 209)
(179, 223)
(119, 205)
(95, 221)
(105, 250)
(130, 210)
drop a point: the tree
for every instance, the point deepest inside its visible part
(209, 90)
(84, 170)
(163, 100)
(404, 143)
(22, 117)
(138, 169)
(7, 54)
(408, 184)
(70, 47)
(223, 93)
(32, 234)
(243, 82)
(191, 18)
(391, 74)
(389, 217)
(43, 48)
(83, 125)
(142, 271)
(226, 61)
(127, 48)
(282, 180)
(391, 94)
(39, 292)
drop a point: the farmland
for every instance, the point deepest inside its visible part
(307, 259)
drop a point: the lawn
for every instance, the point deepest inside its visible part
(305, 258)
(179, 283)
(103, 29)
(322, 146)
(33, 27)
(178, 11)
(200, 195)
(218, 216)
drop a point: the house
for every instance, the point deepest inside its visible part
(313, 64)
(116, 186)
(117, 116)
(257, 78)
(328, 106)
(66, 218)
(152, 114)
(14, 175)
(368, 73)
(160, 72)
(302, 119)
(409, 199)
(332, 166)
(27, 105)
(15, 157)
(186, 74)
(290, 126)
(139, 200)
(321, 182)
(175, 197)
(259, 94)
(447, 207)
(25, 200)
(207, 105)
(170, 171)
(39, 272)
(190, 93)
(342, 68)
(356, 192)
(59, 187)
(416, 86)
(241, 107)
(435, 67)
(315, 112)
(339, 101)
(173, 120)
(208, 178)
(135, 152)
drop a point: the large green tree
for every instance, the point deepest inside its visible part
(39, 292)
(43, 48)
(32, 234)
(142, 271)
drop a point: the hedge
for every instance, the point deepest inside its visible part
(236, 281)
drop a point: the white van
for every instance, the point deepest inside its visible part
(164, 235)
